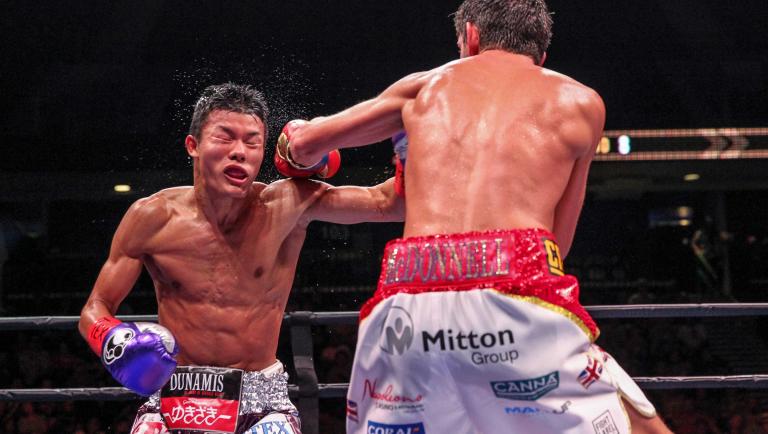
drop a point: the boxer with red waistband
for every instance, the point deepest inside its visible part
(222, 255)
(475, 325)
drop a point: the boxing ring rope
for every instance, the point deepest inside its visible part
(339, 390)
(307, 391)
(689, 144)
(664, 133)
(685, 310)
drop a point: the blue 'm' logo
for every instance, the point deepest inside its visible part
(528, 411)
(526, 390)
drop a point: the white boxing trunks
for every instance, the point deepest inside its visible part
(483, 333)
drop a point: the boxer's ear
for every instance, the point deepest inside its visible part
(191, 144)
(472, 39)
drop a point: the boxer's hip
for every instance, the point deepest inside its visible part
(522, 264)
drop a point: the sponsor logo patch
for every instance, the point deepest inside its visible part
(604, 424)
(527, 410)
(396, 332)
(554, 260)
(386, 398)
(526, 390)
(274, 427)
(482, 347)
(201, 399)
(115, 346)
(384, 428)
(486, 347)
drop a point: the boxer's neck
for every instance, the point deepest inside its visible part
(221, 211)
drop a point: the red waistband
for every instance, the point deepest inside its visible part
(524, 262)
(469, 258)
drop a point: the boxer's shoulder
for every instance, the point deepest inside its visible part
(579, 114)
(144, 219)
(294, 191)
(570, 90)
(151, 213)
(289, 199)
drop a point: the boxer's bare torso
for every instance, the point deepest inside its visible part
(222, 287)
(222, 254)
(223, 290)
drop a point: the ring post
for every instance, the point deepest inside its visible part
(306, 377)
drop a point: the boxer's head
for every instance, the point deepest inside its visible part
(227, 136)
(517, 26)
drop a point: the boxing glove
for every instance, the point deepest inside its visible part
(400, 143)
(140, 356)
(325, 168)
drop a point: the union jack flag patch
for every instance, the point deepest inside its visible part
(352, 410)
(592, 372)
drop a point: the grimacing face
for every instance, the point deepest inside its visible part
(230, 151)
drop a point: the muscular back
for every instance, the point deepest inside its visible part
(493, 143)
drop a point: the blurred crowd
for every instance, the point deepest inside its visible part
(55, 359)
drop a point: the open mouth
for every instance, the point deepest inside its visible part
(236, 173)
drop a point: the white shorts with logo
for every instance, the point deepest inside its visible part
(470, 361)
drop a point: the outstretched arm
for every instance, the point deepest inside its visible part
(352, 204)
(367, 122)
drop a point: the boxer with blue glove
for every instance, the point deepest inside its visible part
(222, 255)
(140, 356)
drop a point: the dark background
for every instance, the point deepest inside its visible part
(93, 85)
(99, 93)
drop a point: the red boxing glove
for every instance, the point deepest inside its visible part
(325, 168)
(399, 177)
(400, 142)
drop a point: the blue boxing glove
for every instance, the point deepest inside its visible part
(140, 356)
(400, 142)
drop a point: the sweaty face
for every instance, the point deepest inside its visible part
(230, 152)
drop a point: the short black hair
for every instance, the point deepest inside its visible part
(517, 26)
(229, 97)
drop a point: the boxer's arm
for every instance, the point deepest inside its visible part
(365, 123)
(585, 128)
(121, 269)
(113, 284)
(352, 204)
(569, 206)
(140, 356)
